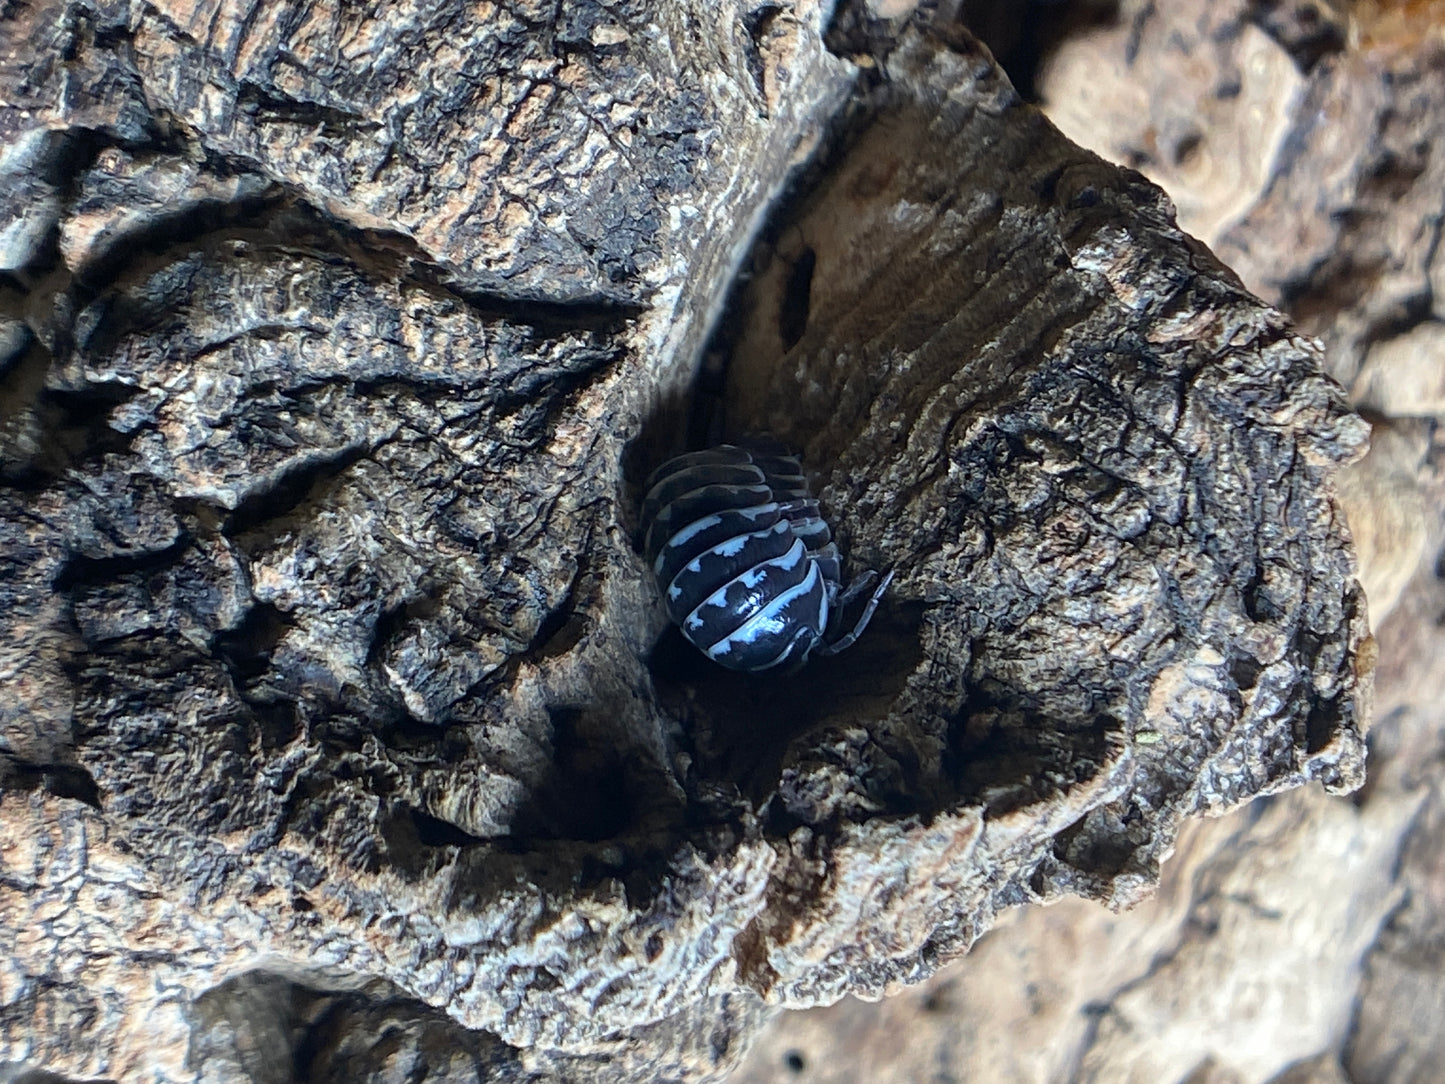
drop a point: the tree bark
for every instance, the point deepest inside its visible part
(1296, 940)
(342, 731)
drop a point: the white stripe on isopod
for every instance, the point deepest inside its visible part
(768, 620)
(728, 547)
(681, 538)
(749, 579)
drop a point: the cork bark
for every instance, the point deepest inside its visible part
(1298, 940)
(343, 734)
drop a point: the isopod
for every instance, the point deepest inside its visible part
(745, 561)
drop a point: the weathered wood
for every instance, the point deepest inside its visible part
(336, 696)
(1298, 939)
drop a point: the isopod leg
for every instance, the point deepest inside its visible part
(856, 588)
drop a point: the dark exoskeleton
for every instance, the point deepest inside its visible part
(745, 561)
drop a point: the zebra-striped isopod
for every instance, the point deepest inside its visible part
(746, 564)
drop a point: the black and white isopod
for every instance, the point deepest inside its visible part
(747, 566)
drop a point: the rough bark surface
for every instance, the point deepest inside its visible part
(1299, 939)
(342, 736)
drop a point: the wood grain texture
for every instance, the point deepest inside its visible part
(336, 698)
(1297, 939)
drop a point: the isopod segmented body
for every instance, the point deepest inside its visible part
(745, 561)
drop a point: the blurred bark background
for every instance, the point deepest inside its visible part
(341, 737)
(1302, 938)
